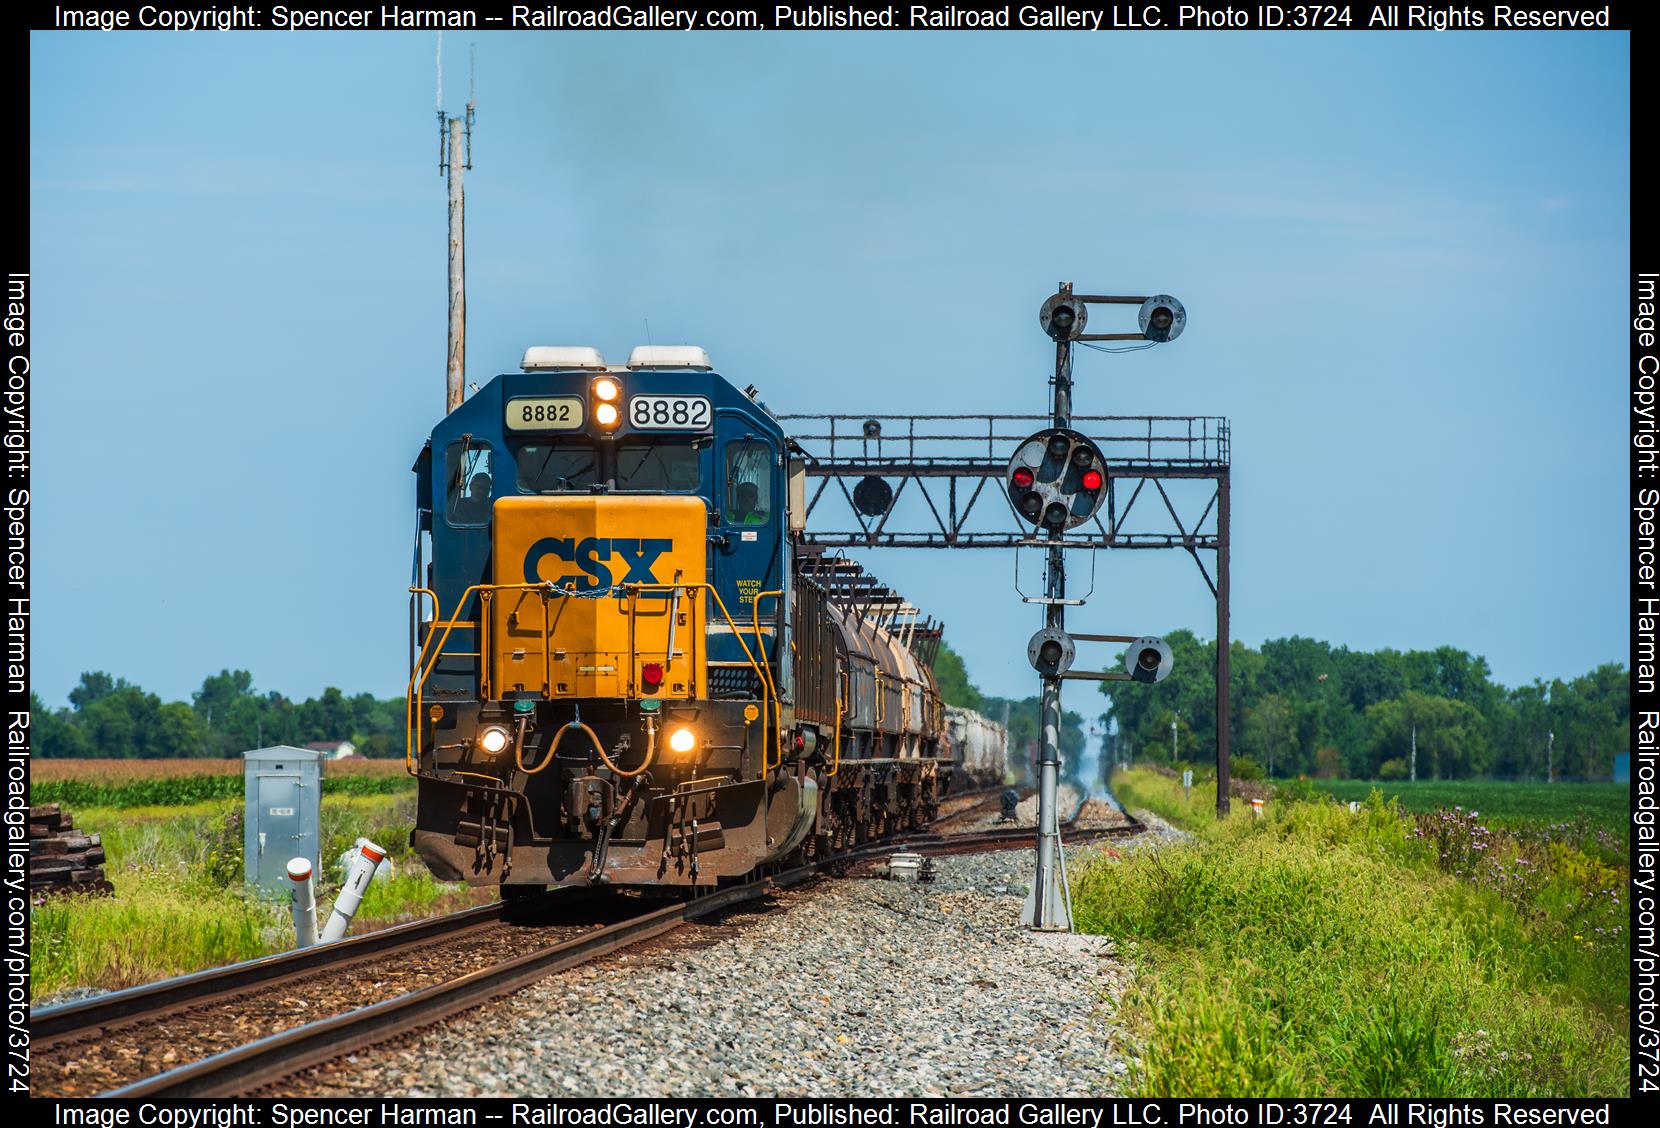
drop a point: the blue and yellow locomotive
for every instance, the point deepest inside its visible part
(625, 665)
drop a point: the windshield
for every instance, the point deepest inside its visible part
(556, 467)
(659, 466)
(562, 467)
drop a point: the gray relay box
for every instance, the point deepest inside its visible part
(283, 797)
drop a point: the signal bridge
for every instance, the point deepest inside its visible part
(933, 481)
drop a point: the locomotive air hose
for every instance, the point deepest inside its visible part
(651, 751)
(553, 750)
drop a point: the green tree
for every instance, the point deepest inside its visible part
(1450, 735)
(52, 735)
(951, 675)
(1270, 729)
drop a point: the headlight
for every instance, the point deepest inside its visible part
(606, 389)
(606, 415)
(493, 739)
(682, 740)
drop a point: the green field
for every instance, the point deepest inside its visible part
(1317, 951)
(1605, 806)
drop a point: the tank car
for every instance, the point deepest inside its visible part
(626, 666)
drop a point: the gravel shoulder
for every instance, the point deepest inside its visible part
(854, 986)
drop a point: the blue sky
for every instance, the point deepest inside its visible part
(1403, 258)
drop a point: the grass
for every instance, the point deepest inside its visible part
(1316, 952)
(1585, 811)
(180, 906)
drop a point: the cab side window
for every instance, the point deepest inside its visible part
(468, 482)
(749, 482)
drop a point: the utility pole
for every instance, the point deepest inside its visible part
(1413, 769)
(1550, 757)
(1173, 756)
(455, 153)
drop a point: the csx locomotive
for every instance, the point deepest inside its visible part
(626, 665)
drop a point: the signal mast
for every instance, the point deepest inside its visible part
(1056, 480)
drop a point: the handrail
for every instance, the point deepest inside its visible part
(409, 721)
(836, 763)
(727, 615)
(424, 666)
(418, 676)
(668, 653)
(771, 686)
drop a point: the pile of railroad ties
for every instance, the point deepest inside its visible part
(63, 859)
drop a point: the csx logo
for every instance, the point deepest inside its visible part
(590, 554)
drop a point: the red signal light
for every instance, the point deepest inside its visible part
(652, 674)
(1092, 479)
(1023, 477)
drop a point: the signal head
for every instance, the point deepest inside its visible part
(1148, 659)
(1055, 479)
(1063, 317)
(1051, 651)
(872, 496)
(1162, 318)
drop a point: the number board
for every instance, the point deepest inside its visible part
(544, 413)
(669, 413)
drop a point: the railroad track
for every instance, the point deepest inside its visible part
(95, 1046)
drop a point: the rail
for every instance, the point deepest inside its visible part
(270, 1059)
(54, 1024)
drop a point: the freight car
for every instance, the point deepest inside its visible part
(979, 746)
(626, 664)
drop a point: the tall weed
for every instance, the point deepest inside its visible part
(1324, 952)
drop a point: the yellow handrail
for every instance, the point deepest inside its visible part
(424, 666)
(633, 632)
(727, 615)
(836, 763)
(770, 686)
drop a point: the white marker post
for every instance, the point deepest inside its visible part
(362, 871)
(304, 900)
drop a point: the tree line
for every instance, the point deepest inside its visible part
(110, 718)
(1300, 706)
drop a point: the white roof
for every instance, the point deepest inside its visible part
(282, 752)
(668, 356)
(544, 357)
